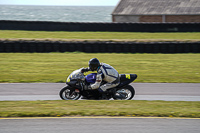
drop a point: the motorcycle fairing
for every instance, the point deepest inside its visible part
(74, 77)
(91, 78)
(126, 79)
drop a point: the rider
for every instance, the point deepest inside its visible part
(104, 72)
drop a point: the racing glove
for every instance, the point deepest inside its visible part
(85, 70)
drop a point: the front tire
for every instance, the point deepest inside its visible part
(67, 93)
(128, 91)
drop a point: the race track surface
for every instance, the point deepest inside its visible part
(99, 125)
(144, 91)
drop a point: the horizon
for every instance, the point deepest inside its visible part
(60, 2)
(58, 5)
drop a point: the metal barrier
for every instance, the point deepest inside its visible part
(99, 47)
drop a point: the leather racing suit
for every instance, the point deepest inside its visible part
(107, 73)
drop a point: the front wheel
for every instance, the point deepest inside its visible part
(67, 93)
(127, 91)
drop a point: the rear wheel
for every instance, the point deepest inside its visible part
(127, 91)
(67, 93)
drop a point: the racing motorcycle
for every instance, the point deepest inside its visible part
(77, 80)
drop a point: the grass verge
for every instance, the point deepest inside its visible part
(99, 108)
(55, 67)
(123, 36)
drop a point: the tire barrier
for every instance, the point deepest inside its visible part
(98, 26)
(98, 47)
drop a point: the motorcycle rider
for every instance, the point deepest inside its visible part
(106, 73)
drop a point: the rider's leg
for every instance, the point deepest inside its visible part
(109, 88)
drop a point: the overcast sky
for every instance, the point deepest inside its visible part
(61, 2)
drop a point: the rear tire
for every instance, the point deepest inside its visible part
(128, 90)
(67, 93)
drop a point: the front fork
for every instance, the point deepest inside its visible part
(82, 84)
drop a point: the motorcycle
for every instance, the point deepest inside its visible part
(77, 80)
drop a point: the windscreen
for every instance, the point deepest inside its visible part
(77, 74)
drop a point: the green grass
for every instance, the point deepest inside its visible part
(8, 34)
(55, 67)
(99, 108)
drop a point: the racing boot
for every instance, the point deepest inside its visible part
(117, 95)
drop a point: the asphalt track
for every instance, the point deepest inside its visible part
(99, 125)
(144, 91)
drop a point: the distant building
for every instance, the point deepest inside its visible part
(157, 11)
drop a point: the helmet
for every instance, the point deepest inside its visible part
(94, 64)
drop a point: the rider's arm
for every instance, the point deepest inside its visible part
(96, 85)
